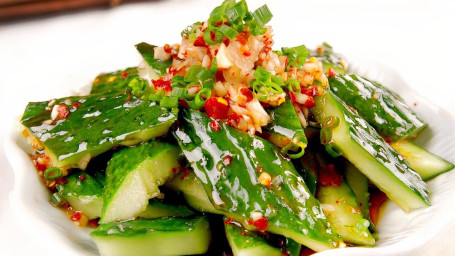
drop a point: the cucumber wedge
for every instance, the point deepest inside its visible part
(83, 192)
(95, 124)
(246, 176)
(247, 243)
(285, 130)
(161, 237)
(156, 209)
(193, 192)
(133, 176)
(345, 133)
(359, 185)
(425, 163)
(379, 106)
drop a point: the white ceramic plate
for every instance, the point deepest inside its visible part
(400, 233)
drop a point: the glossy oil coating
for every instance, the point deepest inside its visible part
(235, 188)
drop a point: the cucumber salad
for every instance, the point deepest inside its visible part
(223, 145)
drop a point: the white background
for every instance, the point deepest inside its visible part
(41, 58)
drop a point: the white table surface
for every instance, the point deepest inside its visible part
(416, 38)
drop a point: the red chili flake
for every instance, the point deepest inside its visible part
(329, 177)
(228, 221)
(262, 224)
(250, 222)
(243, 233)
(217, 108)
(186, 172)
(387, 140)
(360, 204)
(162, 85)
(82, 177)
(331, 73)
(215, 125)
(124, 75)
(336, 202)
(376, 200)
(219, 77)
(172, 70)
(292, 96)
(212, 35)
(227, 160)
(243, 37)
(167, 49)
(246, 53)
(219, 23)
(76, 216)
(183, 103)
(247, 93)
(200, 42)
(415, 104)
(76, 105)
(226, 42)
(93, 223)
(174, 170)
(61, 180)
(259, 169)
(233, 119)
(309, 103)
(186, 37)
(310, 91)
(63, 112)
(128, 99)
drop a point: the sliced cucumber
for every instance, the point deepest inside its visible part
(247, 243)
(159, 237)
(341, 208)
(345, 133)
(83, 193)
(156, 209)
(193, 191)
(427, 164)
(359, 185)
(133, 176)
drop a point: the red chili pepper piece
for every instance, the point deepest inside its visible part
(246, 53)
(82, 177)
(217, 108)
(329, 177)
(219, 77)
(292, 96)
(227, 160)
(243, 37)
(186, 172)
(228, 221)
(76, 105)
(124, 75)
(310, 91)
(63, 112)
(200, 42)
(309, 103)
(247, 93)
(215, 125)
(167, 49)
(376, 200)
(331, 73)
(262, 224)
(226, 42)
(162, 85)
(76, 216)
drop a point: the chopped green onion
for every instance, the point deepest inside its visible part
(333, 150)
(156, 96)
(169, 102)
(297, 55)
(53, 173)
(197, 73)
(285, 150)
(179, 92)
(293, 85)
(212, 35)
(178, 81)
(228, 31)
(237, 13)
(262, 15)
(198, 101)
(57, 199)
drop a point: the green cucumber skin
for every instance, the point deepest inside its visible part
(346, 217)
(425, 163)
(380, 107)
(101, 122)
(83, 194)
(156, 209)
(114, 81)
(146, 161)
(234, 189)
(147, 52)
(284, 122)
(366, 149)
(162, 236)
